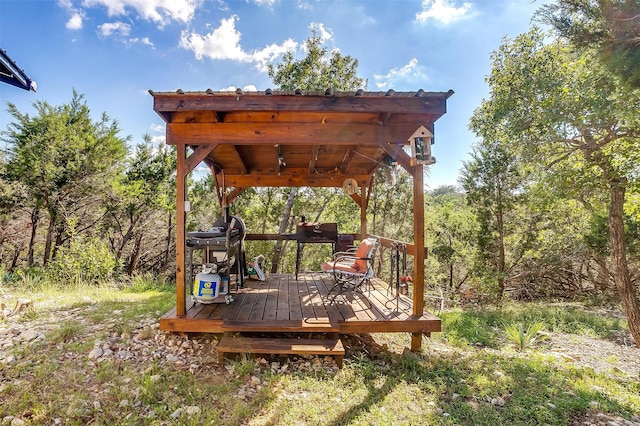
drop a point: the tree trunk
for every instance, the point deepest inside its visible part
(135, 255)
(620, 270)
(286, 215)
(35, 217)
(501, 253)
(167, 247)
(49, 239)
(60, 231)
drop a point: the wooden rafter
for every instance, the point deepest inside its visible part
(199, 154)
(314, 158)
(234, 194)
(291, 178)
(243, 167)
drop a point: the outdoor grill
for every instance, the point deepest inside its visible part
(314, 233)
(222, 245)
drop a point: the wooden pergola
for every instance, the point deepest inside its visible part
(298, 139)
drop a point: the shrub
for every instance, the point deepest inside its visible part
(87, 260)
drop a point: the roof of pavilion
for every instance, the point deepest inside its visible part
(10, 73)
(296, 138)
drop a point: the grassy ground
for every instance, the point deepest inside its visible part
(469, 374)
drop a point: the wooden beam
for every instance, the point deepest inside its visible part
(347, 160)
(243, 166)
(418, 232)
(170, 102)
(289, 178)
(234, 194)
(357, 198)
(198, 155)
(181, 191)
(398, 154)
(287, 133)
(314, 157)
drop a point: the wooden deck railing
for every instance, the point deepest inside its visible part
(384, 242)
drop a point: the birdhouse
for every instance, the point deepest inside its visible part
(421, 141)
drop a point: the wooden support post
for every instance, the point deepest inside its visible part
(181, 192)
(363, 211)
(418, 259)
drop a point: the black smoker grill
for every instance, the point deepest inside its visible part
(223, 245)
(314, 233)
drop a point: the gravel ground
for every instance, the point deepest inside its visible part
(618, 356)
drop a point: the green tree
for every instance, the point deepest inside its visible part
(61, 157)
(139, 198)
(609, 26)
(320, 69)
(451, 231)
(562, 110)
(492, 181)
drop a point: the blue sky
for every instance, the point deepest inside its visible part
(114, 51)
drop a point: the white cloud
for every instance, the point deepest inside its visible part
(324, 33)
(410, 73)
(160, 11)
(303, 5)
(221, 43)
(158, 139)
(143, 40)
(443, 11)
(266, 2)
(224, 43)
(77, 15)
(114, 28)
(157, 128)
(245, 88)
(75, 22)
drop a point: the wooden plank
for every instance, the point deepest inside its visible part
(275, 326)
(257, 311)
(323, 284)
(247, 303)
(315, 298)
(185, 325)
(289, 177)
(295, 296)
(306, 304)
(271, 304)
(282, 310)
(434, 104)
(365, 134)
(332, 302)
(281, 347)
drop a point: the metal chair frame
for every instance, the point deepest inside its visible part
(346, 276)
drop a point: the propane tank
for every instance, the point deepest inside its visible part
(206, 285)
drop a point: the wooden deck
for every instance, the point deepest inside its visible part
(284, 304)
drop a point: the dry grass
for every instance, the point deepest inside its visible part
(469, 374)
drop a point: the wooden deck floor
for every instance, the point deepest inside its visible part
(284, 304)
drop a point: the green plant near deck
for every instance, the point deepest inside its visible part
(524, 336)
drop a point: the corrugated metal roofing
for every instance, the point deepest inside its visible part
(298, 92)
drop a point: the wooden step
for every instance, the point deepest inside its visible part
(257, 345)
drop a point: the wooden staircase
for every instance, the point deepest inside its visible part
(281, 346)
